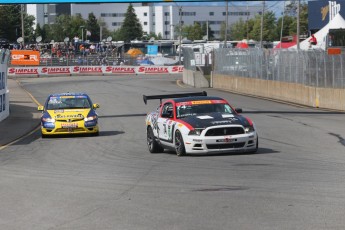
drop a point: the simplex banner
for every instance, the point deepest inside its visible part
(4, 92)
(102, 70)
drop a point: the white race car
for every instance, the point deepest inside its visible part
(197, 123)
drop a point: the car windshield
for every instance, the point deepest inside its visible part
(185, 110)
(68, 102)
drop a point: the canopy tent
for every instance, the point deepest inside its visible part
(242, 44)
(291, 41)
(135, 52)
(336, 23)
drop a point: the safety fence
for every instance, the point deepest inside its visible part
(4, 93)
(308, 67)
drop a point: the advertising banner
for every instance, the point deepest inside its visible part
(4, 98)
(152, 50)
(25, 57)
(101, 70)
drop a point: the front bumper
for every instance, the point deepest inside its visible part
(221, 144)
(65, 128)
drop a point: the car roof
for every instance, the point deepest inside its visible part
(199, 98)
(67, 94)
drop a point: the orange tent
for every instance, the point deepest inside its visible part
(135, 52)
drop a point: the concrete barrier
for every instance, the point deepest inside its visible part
(327, 98)
(4, 92)
(195, 79)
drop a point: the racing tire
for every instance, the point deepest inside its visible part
(152, 144)
(179, 144)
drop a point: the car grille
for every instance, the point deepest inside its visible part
(70, 119)
(225, 131)
(75, 130)
(226, 146)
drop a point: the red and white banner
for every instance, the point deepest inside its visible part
(101, 70)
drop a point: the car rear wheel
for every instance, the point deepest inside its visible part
(179, 144)
(152, 144)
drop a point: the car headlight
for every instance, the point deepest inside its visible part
(90, 118)
(249, 129)
(195, 132)
(48, 119)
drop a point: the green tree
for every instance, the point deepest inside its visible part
(269, 27)
(238, 30)
(92, 25)
(193, 32)
(222, 32)
(10, 23)
(205, 27)
(131, 28)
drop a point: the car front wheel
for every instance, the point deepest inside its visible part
(153, 145)
(179, 144)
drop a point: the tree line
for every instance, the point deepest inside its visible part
(131, 29)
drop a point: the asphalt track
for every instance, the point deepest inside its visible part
(295, 181)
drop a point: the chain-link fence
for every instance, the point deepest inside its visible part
(311, 67)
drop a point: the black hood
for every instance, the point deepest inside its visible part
(213, 119)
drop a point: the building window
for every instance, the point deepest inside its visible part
(211, 13)
(145, 23)
(188, 13)
(145, 14)
(112, 15)
(116, 23)
(166, 14)
(166, 23)
(166, 32)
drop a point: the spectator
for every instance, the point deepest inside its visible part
(313, 40)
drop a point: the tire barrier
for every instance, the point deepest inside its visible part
(4, 92)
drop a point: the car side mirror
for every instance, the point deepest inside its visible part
(40, 108)
(239, 110)
(95, 106)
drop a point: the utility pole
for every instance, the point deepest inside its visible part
(180, 37)
(226, 24)
(22, 18)
(298, 21)
(262, 23)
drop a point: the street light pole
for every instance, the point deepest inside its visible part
(82, 33)
(22, 18)
(180, 37)
(226, 25)
(262, 23)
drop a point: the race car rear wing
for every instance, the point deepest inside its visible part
(178, 95)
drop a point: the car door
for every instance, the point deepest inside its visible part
(166, 114)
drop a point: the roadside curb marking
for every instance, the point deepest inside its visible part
(180, 84)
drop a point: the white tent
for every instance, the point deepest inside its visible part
(337, 22)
